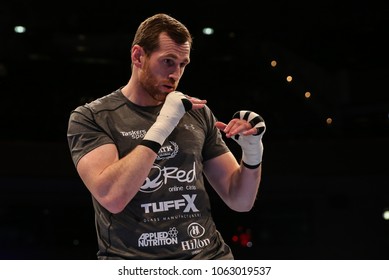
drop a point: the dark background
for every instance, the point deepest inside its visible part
(324, 187)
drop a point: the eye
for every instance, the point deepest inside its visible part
(182, 65)
(169, 62)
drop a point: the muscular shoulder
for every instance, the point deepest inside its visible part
(108, 102)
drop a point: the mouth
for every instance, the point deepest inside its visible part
(169, 88)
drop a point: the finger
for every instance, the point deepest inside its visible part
(230, 125)
(197, 106)
(220, 125)
(251, 131)
(197, 103)
(239, 127)
(196, 100)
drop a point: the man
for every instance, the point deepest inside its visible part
(142, 152)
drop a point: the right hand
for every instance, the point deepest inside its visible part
(175, 106)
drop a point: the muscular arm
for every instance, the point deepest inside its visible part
(235, 184)
(111, 181)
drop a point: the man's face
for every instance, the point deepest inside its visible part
(163, 69)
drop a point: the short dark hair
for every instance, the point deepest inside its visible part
(147, 35)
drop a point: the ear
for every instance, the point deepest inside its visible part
(136, 55)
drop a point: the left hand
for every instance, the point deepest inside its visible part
(242, 126)
(236, 126)
(246, 128)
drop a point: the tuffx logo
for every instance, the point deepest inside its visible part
(187, 202)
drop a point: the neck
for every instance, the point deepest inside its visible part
(138, 95)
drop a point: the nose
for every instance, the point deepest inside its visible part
(176, 74)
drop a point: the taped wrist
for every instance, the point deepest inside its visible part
(252, 159)
(252, 146)
(174, 108)
(151, 144)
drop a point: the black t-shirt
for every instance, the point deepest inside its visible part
(170, 216)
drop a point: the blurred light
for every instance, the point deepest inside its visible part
(329, 121)
(273, 63)
(208, 31)
(385, 215)
(19, 29)
(243, 237)
(232, 35)
(289, 79)
(307, 95)
(81, 48)
(81, 37)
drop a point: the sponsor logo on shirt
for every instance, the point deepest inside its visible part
(187, 202)
(168, 151)
(159, 176)
(196, 244)
(189, 126)
(159, 238)
(134, 134)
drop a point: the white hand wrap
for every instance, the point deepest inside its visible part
(175, 106)
(252, 147)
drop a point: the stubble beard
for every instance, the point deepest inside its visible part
(150, 85)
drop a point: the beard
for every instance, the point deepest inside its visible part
(150, 85)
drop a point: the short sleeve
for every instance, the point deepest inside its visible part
(84, 134)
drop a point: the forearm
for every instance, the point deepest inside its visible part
(247, 129)
(244, 188)
(116, 184)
